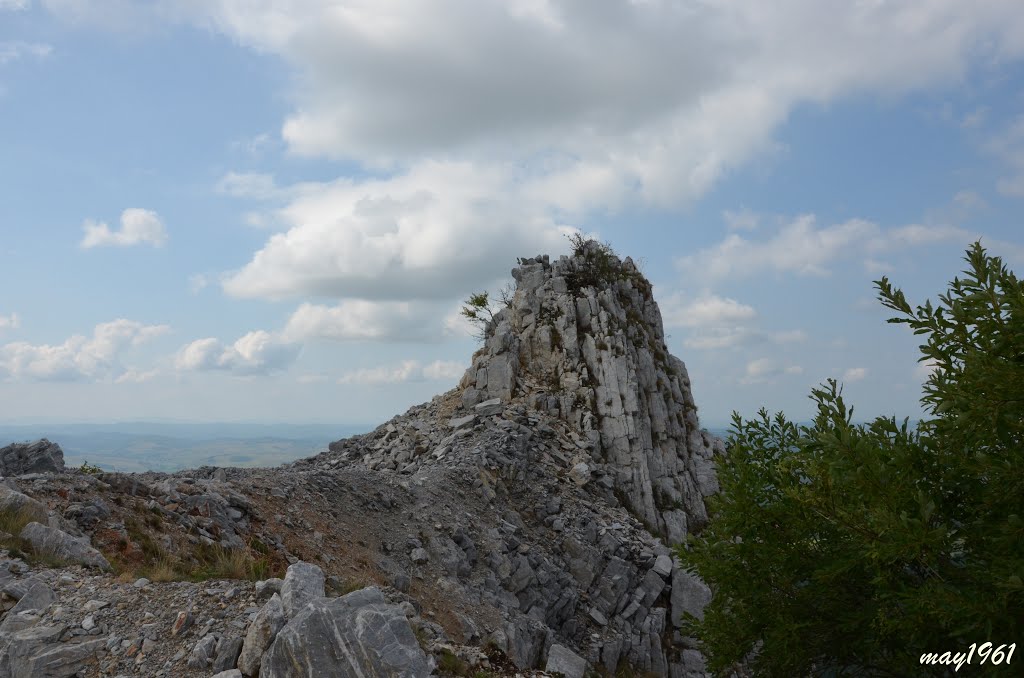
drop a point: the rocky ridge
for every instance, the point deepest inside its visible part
(520, 522)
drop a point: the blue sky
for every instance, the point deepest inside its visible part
(270, 211)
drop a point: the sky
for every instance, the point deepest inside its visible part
(271, 210)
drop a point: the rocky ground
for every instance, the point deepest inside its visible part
(519, 522)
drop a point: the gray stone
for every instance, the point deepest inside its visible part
(689, 596)
(228, 650)
(36, 654)
(12, 501)
(489, 407)
(63, 546)
(303, 583)
(268, 587)
(566, 662)
(262, 631)
(462, 422)
(231, 673)
(358, 634)
(663, 565)
(37, 598)
(41, 456)
(203, 652)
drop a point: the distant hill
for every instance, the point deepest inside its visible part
(142, 446)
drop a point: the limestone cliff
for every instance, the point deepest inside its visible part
(582, 339)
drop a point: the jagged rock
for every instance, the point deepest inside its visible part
(231, 673)
(38, 597)
(37, 653)
(357, 634)
(262, 631)
(41, 456)
(566, 662)
(303, 583)
(62, 545)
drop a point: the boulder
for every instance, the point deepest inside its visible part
(356, 635)
(303, 583)
(42, 456)
(262, 631)
(62, 545)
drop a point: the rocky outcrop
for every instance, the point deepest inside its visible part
(582, 340)
(41, 456)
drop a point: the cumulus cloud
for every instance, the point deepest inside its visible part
(79, 357)
(407, 370)
(255, 353)
(441, 100)
(432, 232)
(12, 50)
(138, 226)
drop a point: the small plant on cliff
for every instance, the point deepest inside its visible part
(477, 310)
(845, 549)
(91, 469)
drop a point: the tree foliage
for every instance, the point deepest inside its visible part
(851, 549)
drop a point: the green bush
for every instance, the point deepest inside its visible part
(852, 549)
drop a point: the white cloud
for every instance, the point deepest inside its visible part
(12, 50)
(13, 5)
(311, 378)
(407, 370)
(355, 320)
(444, 369)
(437, 231)
(802, 247)
(10, 322)
(764, 369)
(416, 90)
(708, 310)
(258, 352)
(136, 376)
(138, 226)
(79, 357)
(855, 374)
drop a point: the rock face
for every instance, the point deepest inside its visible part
(356, 635)
(582, 339)
(41, 456)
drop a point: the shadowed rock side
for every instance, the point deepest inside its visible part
(583, 340)
(519, 523)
